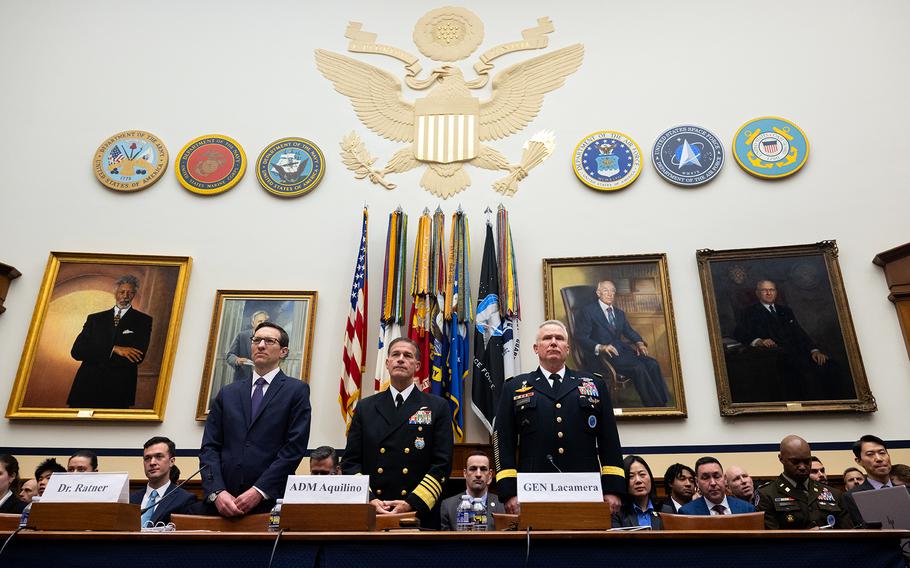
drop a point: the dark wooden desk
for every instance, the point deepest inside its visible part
(780, 549)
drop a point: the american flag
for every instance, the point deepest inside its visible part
(114, 156)
(353, 364)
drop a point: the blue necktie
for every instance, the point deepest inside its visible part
(147, 516)
(610, 317)
(257, 397)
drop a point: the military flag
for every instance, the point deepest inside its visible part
(353, 358)
(487, 369)
(458, 315)
(509, 305)
(393, 277)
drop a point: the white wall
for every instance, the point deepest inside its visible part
(76, 72)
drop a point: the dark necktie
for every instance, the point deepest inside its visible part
(257, 397)
(610, 317)
(399, 400)
(557, 380)
(116, 317)
(773, 311)
(721, 510)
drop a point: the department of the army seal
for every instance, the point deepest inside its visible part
(687, 155)
(210, 164)
(607, 160)
(770, 147)
(130, 160)
(290, 167)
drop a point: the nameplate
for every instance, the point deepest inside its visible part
(334, 489)
(559, 488)
(85, 487)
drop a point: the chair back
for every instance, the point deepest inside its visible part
(741, 522)
(573, 299)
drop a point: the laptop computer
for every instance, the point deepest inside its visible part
(889, 506)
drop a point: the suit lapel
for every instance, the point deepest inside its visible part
(401, 415)
(276, 385)
(569, 384)
(542, 385)
(246, 402)
(385, 406)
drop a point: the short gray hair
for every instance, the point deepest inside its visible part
(129, 279)
(557, 323)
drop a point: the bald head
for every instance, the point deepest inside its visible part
(796, 457)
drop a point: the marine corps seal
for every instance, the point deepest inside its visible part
(210, 164)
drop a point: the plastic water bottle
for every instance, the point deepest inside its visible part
(275, 516)
(480, 515)
(23, 520)
(464, 521)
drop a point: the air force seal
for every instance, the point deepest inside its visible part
(770, 147)
(290, 167)
(687, 155)
(607, 160)
(130, 160)
(210, 164)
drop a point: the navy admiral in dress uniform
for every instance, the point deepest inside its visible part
(403, 439)
(793, 500)
(556, 419)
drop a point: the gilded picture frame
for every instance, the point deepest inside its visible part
(85, 359)
(802, 355)
(236, 312)
(645, 379)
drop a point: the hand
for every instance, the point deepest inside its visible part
(224, 502)
(614, 502)
(819, 358)
(130, 353)
(400, 507)
(381, 507)
(769, 343)
(512, 506)
(241, 361)
(609, 350)
(641, 348)
(248, 500)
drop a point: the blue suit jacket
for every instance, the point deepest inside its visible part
(241, 450)
(592, 328)
(700, 507)
(178, 503)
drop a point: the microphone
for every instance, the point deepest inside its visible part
(553, 463)
(178, 486)
(831, 520)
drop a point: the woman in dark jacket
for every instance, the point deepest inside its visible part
(9, 485)
(638, 505)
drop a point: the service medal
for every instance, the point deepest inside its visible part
(419, 443)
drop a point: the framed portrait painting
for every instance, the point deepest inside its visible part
(781, 333)
(619, 315)
(103, 337)
(235, 317)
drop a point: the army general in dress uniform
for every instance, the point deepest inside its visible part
(556, 420)
(795, 501)
(403, 439)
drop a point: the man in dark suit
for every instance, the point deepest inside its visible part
(111, 346)
(679, 482)
(713, 486)
(871, 453)
(805, 371)
(477, 475)
(256, 432)
(556, 419)
(403, 439)
(600, 330)
(239, 356)
(161, 495)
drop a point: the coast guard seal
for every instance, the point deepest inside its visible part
(770, 147)
(130, 160)
(290, 167)
(687, 155)
(210, 164)
(607, 160)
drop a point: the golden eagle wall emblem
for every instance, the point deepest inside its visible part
(449, 127)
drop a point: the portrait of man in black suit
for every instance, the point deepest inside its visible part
(111, 346)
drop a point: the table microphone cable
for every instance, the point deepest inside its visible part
(275, 547)
(10, 538)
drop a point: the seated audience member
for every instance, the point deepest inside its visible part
(853, 477)
(817, 471)
(679, 481)
(638, 503)
(82, 461)
(478, 474)
(709, 475)
(900, 474)
(324, 461)
(27, 490)
(43, 473)
(9, 485)
(795, 500)
(741, 485)
(158, 455)
(872, 454)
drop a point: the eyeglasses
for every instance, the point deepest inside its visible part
(268, 340)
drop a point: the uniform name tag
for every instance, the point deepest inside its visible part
(87, 487)
(310, 489)
(581, 487)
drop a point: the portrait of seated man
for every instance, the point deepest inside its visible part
(603, 330)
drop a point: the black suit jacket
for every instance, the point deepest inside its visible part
(12, 505)
(756, 322)
(407, 451)
(178, 503)
(106, 380)
(628, 518)
(592, 328)
(448, 511)
(241, 450)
